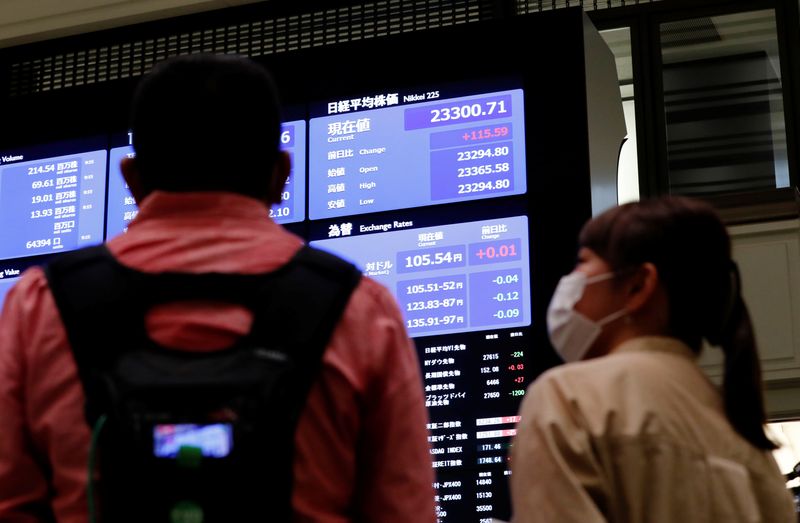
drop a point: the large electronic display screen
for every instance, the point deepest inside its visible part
(425, 190)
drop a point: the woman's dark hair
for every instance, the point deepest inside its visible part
(206, 123)
(691, 250)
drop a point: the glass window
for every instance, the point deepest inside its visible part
(619, 41)
(724, 104)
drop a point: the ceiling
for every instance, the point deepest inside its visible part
(25, 21)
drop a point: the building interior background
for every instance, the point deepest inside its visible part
(710, 91)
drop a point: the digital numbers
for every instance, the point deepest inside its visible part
(479, 170)
(496, 185)
(506, 279)
(507, 313)
(41, 213)
(36, 244)
(42, 169)
(449, 285)
(491, 252)
(280, 212)
(452, 319)
(475, 110)
(52, 204)
(428, 259)
(42, 198)
(480, 154)
(286, 137)
(434, 304)
(489, 133)
(506, 296)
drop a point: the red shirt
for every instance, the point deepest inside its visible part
(361, 450)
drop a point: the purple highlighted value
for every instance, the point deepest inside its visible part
(434, 258)
(457, 112)
(449, 175)
(496, 298)
(498, 251)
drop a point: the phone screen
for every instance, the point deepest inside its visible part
(214, 441)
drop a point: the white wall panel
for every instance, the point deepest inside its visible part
(768, 255)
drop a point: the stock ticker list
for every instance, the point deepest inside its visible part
(56, 204)
(400, 156)
(463, 290)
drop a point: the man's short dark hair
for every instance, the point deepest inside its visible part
(206, 123)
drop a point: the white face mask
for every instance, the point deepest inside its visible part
(571, 333)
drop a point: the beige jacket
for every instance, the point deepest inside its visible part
(638, 436)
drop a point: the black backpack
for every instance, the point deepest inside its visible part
(196, 437)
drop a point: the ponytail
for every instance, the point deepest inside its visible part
(742, 388)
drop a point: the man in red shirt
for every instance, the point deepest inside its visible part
(207, 169)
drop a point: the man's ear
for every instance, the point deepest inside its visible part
(642, 287)
(132, 176)
(280, 173)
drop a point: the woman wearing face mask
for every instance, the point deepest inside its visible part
(630, 430)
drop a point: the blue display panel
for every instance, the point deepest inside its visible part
(51, 203)
(451, 278)
(122, 208)
(121, 205)
(400, 156)
(5, 285)
(293, 200)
